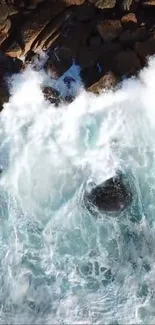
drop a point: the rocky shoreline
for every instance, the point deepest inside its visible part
(109, 39)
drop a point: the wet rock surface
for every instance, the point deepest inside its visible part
(111, 195)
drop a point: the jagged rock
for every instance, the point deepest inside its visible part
(145, 49)
(111, 195)
(37, 21)
(50, 32)
(104, 4)
(126, 63)
(108, 81)
(110, 29)
(59, 61)
(129, 20)
(52, 95)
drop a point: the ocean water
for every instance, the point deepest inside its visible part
(60, 264)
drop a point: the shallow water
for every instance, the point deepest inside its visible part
(58, 263)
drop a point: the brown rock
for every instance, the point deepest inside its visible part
(73, 2)
(6, 27)
(145, 49)
(59, 61)
(37, 22)
(126, 63)
(110, 29)
(14, 50)
(148, 3)
(4, 12)
(108, 81)
(50, 32)
(129, 21)
(104, 4)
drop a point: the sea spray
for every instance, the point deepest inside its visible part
(58, 263)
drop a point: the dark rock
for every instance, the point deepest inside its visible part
(10, 65)
(110, 29)
(68, 81)
(87, 57)
(95, 41)
(104, 4)
(112, 195)
(126, 63)
(106, 55)
(4, 95)
(90, 75)
(145, 49)
(60, 61)
(74, 35)
(84, 12)
(129, 37)
(108, 81)
(52, 95)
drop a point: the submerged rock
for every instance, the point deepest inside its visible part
(111, 195)
(52, 95)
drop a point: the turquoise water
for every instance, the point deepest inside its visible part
(58, 263)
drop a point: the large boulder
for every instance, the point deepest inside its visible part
(108, 81)
(145, 49)
(126, 63)
(59, 62)
(111, 195)
(110, 29)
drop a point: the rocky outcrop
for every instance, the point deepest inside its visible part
(111, 195)
(109, 39)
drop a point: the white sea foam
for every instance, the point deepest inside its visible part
(58, 263)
